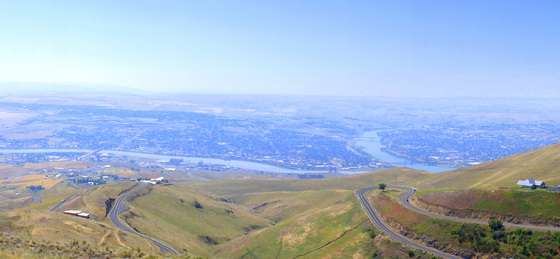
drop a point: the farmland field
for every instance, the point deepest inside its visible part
(31, 180)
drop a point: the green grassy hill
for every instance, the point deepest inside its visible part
(308, 224)
(191, 220)
(284, 224)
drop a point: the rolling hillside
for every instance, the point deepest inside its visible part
(401, 176)
(541, 164)
(256, 217)
(191, 220)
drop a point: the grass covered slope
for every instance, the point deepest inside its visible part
(287, 222)
(262, 218)
(466, 240)
(310, 224)
(192, 221)
(537, 207)
(41, 224)
(47, 230)
(540, 164)
(401, 176)
(306, 222)
(281, 206)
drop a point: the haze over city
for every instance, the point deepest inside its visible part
(279, 129)
(364, 48)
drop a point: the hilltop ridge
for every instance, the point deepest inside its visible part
(542, 164)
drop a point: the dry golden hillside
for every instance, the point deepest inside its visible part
(540, 164)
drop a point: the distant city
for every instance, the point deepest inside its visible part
(459, 146)
(303, 133)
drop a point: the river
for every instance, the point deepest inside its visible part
(371, 142)
(231, 163)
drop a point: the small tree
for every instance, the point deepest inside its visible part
(382, 186)
(495, 224)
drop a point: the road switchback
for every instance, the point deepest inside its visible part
(405, 199)
(119, 207)
(374, 217)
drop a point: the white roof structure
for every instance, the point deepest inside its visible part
(529, 182)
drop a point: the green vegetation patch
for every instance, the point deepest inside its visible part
(520, 203)
(280, 206)
(191, 220)
(333, 230)
(471, 239)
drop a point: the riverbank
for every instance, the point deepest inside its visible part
(231, 163)
(371, 143)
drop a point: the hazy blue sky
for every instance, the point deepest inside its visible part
(379, 48)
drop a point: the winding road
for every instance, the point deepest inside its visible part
(379, 224)
(405, 199)
(119, 207)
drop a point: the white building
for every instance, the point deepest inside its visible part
(531, 184)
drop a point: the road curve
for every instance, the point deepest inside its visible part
(405, 199)
(379, 224)
(119, 207)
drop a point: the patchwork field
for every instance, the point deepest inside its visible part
(51, 165)
(12, 119)
(31, 180)
(30, 135)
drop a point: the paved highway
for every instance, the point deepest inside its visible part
(119, 207)
(405, 199)
(379, 224)
(89, 154)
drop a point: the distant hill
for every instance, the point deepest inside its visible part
(64, 88)
(399, 175)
